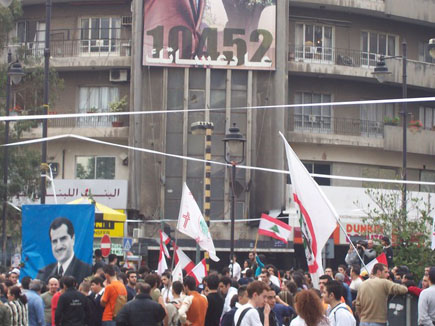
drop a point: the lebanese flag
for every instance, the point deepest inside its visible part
(382, 258)
(164, 240)
(192, 223)
(199, 272)
(181, 259)
(162, 266)
(274, 228)
(318, 218)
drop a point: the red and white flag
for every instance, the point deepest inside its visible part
(318, 218)
(162, 266)
(192, 223)
(274, 228)
(182, 260)
(199, 272)
(164, 240)
(177, 273)
(382, 258)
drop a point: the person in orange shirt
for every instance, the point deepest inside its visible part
(113, 289)
(195, 305)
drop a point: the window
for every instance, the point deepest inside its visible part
(423, 53)
(96, 99)
(378, 172)
(320, 168)
(31, 34)
(374, 45)
(314, 43)
(427, 117)
(313, 118)
(100, 35)
(372, 118)
(427, 176)
(95, 167)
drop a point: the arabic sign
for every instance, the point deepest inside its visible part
(112, 193)
(226, 34)
(113, 229)
(54, 234)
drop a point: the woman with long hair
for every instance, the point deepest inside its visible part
(309, 309)
(17, 305)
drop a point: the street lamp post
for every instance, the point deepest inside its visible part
(14, 75)
(234, 151)
(381, 72)
(205, 128)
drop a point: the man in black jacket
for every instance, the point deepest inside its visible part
(72, 308)
(142, 310)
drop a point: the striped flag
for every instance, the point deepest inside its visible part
(274, 228)
(162, 266)
(164, 240)
(318, 218)
(199, 272)
(382, 258)
(181, 259)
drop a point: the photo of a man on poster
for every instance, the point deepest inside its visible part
(61, 233)
(57, 241)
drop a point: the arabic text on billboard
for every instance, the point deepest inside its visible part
(227, 34)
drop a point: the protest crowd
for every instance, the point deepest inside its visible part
(255, 293)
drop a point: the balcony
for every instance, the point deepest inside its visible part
(67, 52)
(94, 127)
(355, 64)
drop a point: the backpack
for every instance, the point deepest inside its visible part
(120, 301)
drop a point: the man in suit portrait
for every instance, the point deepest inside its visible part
(62, 239)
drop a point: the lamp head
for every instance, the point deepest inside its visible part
(234, 145)
(16, 72)
(381, 71)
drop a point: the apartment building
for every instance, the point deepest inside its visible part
(324, 51)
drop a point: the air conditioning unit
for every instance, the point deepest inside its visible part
(126, 20)
(137, 233)
(118, 75)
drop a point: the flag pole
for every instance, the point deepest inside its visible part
(174, 247)
(256, 240)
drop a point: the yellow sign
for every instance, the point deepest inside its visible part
(113, 229)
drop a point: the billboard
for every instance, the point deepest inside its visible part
(226, 34)
(57, 241)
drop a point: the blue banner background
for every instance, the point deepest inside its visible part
(36, 220)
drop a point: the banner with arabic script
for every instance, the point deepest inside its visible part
(226, 34)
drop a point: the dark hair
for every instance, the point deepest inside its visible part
(273, 267)
(143, 288)
(123, 278)
(167, 275)
(234, 300)
(325, 277)
(85, 286)
(247, 261)
(3, 288)
(309, 306)
(241, 290)
(35, 285)
(292, 287)
(265, 271)
(336, 288)
(131, 272)
(386, 239)
(378, 267)
(287, 297)
(58, 222)
(256, 287)
(213, 282)
(97, 280)
(98, 253)
(16, 293)
(69, 281)
(25, 282)
(356, 269)
(225, 280)
(177, 287)
(225, 270)
(109, 269)
(432, 275)
(151, 280)
(248, 273)
(299, 279)
(190, 283)
(112, 257)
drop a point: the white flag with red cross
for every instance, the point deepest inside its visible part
(192, 223)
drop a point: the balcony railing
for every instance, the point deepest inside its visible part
(89, 122)
(338, 126)
(337, 56)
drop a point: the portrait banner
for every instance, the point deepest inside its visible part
(57, 241)
(226, 34)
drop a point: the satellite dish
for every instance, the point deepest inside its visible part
(5, 3)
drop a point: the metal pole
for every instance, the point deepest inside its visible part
(46, 92)
(207, 185)
(233, 204)
(5, 164)
(404, 123)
